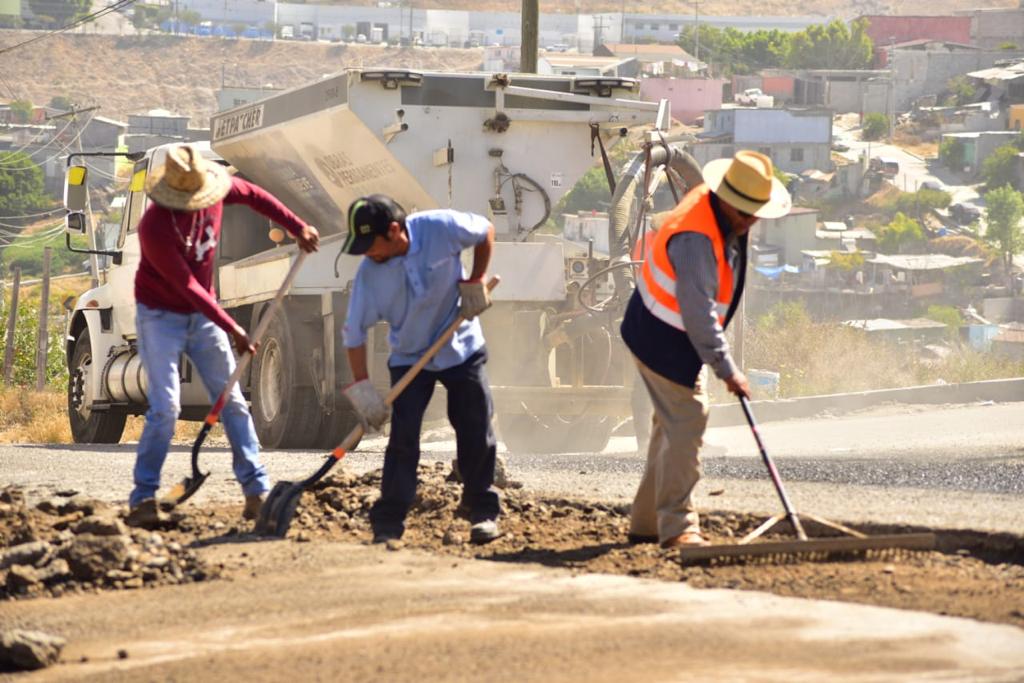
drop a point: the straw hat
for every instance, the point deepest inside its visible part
(186, 181)
(748, 184)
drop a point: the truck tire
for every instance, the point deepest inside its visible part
(285, 410)
(336, 426)
(530, 432)
(88, 426)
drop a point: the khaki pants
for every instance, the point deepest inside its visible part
(662, 506)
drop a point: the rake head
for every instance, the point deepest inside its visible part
(810, 550)
(278, 509)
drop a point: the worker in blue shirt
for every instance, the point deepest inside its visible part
(413, 279)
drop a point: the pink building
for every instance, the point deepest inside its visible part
(885, 30)
(690, 97)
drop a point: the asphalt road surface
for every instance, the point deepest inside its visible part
(940, 466)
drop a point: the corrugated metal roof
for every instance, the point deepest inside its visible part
(923, 261)
(880, 324)
(1000, 73)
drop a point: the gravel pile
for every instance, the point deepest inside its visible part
(72, 543)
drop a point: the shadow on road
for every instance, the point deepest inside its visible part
(566, 558)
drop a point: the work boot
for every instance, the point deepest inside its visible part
(484, 532)
(385, 535)
(252, 506)
(145, 515)
(687, 539)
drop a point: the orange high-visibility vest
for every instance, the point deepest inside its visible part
(657, 282)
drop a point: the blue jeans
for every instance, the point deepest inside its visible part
(163, 337)
(469, 410)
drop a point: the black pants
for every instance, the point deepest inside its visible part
(469, 410)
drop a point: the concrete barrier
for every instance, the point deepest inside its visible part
(1000, 390)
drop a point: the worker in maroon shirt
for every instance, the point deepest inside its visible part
(177, 312)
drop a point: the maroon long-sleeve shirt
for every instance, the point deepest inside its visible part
(176, 269)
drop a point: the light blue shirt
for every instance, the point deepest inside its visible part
(417, 293)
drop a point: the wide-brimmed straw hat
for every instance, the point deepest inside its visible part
(186, 181)
(747, 183)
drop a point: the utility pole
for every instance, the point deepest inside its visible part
(892, 88)
(530, 29)
(12, 319)
(43, 341)
(696, 31)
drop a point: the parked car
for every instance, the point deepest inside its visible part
(840, 147)
(749, 96)
(887, 166)
(930, 185)
(965, 213)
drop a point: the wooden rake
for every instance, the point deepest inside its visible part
(852, 544)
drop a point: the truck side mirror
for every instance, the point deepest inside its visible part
(75, 223)
(76, 189)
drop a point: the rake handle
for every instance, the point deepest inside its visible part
(772, 471)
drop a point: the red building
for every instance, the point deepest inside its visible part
(885, 30)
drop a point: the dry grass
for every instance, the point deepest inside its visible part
(828, 358)
(41, 417)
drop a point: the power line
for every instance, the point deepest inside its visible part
(52, 157)
(32, 215)
(120, 4)
(12, 152)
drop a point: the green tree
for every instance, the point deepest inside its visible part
(239, 29)
(62, 102)
(901, 233)
(61, 11)
(948, 316)
(920, 202)
(1004, 209)
(590, 193)
(21, 111)
(1000, 168)
(190, 17)
(875, 126)
(961, 91)
(22, 189)
(952, 154)
(831, 46)
(272, 28)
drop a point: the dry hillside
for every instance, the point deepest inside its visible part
(133, 74)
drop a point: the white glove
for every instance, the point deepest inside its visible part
(368, 403)
(475, 298)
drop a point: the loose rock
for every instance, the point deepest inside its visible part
(29, 650)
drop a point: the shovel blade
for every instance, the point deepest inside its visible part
(182, 491)
(278, 509)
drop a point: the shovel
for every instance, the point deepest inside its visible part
(278, 509)
(185, 489)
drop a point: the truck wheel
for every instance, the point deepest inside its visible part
(530, 432)
(555, 433)
(285, 411)
(88, 426)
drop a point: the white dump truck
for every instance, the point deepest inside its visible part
(507, 147)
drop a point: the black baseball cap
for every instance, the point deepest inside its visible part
(368, 217)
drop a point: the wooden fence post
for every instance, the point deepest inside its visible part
(44, 331)
(12, 318)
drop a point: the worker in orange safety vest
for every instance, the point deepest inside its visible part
(689, 286)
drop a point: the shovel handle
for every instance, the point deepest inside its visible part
(357, 432)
